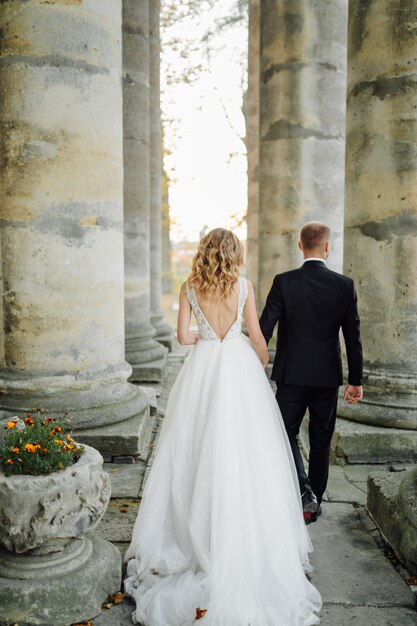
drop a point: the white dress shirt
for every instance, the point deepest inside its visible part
(315, 258)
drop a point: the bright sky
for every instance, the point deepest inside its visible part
(207, 163)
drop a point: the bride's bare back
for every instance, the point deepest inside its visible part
(220, 312)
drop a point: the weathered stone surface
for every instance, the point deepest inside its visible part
(117, 525)
(146, 356)
(359, 443)
(131, 438)
(392, 502)
(302, 121)
(164, 332)
(122, 546)
(73, 596)
(90, 397)
(120, 615)
(251, 111)
(340, 489)
(151, 371)
(42, 513)
(126, 480)
(167, 276)
(61, 193)
(340, 615)
(381, 204)
(55, 236)
(349, 569)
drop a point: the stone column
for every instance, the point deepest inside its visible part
(146, 356)
(302, 122)
(381, 204)
(252, 144)
(61, 182)
(164, 332)
(166, 249)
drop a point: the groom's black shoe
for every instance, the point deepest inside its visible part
(314, 516)
(310, 505)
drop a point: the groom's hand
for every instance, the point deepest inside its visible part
(353, 394)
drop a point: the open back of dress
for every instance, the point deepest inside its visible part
(220, 312)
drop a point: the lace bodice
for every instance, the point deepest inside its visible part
(204, 328)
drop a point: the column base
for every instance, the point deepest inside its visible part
(390, 401)
(147, 357)
(105, 410)
(150, 372)
(33, 594)
(363, 443)
(164, 333)
(131, 438)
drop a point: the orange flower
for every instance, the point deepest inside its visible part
(58, 429)
(9, 462)
(16, 450)
(11, 424)
(58, 442)
(69, 438)
(67, 447)
(45, 450)
(29, 421)
(29, 447)
(37, 447)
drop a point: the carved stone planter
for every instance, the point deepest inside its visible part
(50, 573)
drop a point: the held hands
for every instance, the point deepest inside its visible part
(353, 394)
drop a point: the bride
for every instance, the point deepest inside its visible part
(220, 534)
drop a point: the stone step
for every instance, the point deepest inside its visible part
(349, 569)
(341, 615)
(128, 438)
(392, 502)
(121, 615)
(126, 479)
(360, 443)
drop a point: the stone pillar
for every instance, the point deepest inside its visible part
(252, 144)
(146, 356)
(164, 332)
(381, 204)
(166, 250)
(61, 183)
(302, 122)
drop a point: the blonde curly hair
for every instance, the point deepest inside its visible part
(216, 266)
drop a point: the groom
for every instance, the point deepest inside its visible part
(311, 304)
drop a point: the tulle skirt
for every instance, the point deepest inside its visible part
(220, 527)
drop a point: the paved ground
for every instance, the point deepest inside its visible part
(359, 584)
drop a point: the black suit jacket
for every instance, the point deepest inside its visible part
(311, 304)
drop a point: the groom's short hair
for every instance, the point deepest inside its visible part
(314, 235)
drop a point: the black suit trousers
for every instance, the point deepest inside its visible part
(321, 403)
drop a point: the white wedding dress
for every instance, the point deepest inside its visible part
(220, 526)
